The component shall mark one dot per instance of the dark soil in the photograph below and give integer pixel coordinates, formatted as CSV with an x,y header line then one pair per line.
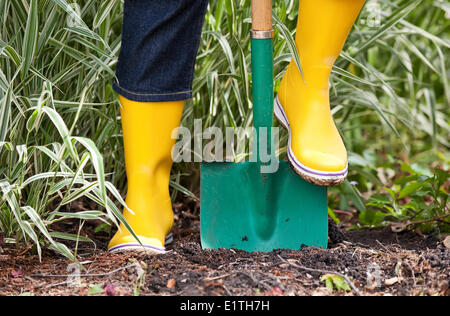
x,y
376,262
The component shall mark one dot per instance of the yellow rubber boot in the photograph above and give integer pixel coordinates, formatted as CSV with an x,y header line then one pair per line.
x,y
316,150
147,130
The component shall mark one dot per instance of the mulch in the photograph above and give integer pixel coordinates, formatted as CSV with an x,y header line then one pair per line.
x,y
375,262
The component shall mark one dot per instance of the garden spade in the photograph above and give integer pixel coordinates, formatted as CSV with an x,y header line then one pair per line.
x,y
246,205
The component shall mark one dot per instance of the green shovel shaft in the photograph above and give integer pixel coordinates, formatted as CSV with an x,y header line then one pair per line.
x,y
262,76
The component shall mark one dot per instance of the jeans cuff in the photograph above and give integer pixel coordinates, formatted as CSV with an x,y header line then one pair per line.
x,y
152,97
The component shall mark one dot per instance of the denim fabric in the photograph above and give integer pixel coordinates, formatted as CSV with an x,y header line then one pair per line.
x,y
160,40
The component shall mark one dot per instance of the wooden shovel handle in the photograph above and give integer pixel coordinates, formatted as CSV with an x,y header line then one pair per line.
x,y
262,15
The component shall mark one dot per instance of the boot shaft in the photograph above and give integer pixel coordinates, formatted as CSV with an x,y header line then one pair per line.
x,y
322,29
148,142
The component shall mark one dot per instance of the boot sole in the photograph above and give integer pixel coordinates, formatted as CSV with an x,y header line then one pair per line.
x,y
322,178
142,248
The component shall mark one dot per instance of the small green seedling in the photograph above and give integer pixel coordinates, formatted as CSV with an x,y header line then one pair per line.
x,y
335,281
96,289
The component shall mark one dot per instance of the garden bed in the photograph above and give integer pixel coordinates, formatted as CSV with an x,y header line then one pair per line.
x,y
375,262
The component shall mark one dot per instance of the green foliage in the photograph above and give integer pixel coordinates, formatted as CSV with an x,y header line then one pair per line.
x,y
415,199
57,136
333,281
96,289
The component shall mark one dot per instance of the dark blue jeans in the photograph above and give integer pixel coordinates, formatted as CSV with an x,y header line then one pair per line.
x,y
160,40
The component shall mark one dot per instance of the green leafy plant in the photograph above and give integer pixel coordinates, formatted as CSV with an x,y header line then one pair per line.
x,y
415,200
96,290
333,281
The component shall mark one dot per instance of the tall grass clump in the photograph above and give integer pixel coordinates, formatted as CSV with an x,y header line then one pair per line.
x,y
60,127
60,131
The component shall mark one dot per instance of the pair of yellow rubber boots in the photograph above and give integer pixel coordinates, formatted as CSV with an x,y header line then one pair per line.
x,y
316,150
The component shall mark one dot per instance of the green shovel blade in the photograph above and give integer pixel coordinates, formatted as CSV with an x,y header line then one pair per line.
x,y
244,209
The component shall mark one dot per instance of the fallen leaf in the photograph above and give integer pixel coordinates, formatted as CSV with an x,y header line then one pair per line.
x,y
321,291
398,268
144,265
17,273
216,283
392,281
447,242
276,291
171,284
372,286
400,226
110,289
